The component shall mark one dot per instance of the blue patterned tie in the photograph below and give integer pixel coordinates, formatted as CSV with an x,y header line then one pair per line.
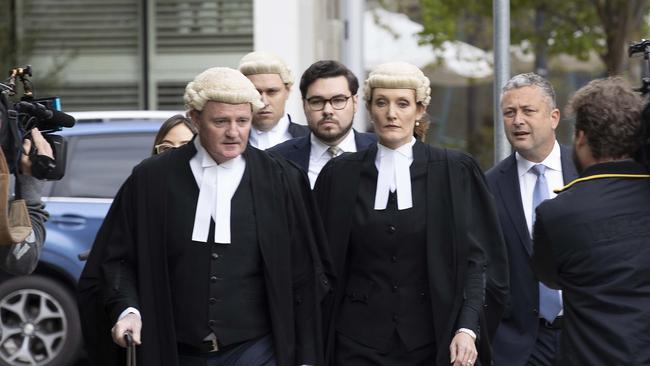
x,y
550,303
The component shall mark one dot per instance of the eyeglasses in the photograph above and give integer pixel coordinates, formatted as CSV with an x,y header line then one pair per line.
x,y
161,148
337,102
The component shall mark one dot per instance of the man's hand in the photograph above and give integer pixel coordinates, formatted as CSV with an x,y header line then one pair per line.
x,y
42,148
130,322
463,350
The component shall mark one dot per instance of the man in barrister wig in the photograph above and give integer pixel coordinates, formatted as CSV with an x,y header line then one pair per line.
x,y
592,241
208,254
273,79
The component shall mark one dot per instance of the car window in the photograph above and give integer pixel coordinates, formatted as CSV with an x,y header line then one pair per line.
x,y
98,165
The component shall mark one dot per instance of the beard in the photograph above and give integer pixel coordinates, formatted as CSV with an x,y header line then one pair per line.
x,y
331,138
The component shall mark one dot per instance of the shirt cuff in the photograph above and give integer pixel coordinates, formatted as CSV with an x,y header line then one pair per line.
x,y
468,332
129,310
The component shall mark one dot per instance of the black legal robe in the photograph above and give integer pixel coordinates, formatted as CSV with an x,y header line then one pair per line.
x,y
130,255
387,287
464,251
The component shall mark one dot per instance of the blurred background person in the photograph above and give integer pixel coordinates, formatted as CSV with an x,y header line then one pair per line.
x,y
529,332
407,224
593,239
273,80
176,131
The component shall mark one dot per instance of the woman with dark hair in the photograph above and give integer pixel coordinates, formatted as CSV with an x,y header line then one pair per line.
x,y
410,228
174,132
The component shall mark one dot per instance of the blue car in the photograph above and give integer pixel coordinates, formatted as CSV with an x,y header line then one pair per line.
x,y
39,320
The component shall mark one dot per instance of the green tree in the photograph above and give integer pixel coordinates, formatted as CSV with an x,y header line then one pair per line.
x,y
544,27
17,51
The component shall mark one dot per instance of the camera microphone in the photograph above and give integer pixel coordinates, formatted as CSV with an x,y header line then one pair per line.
x,y
48,118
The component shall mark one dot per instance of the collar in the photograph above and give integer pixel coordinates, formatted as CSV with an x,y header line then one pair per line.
x,y
217,185
553,161
280,127
626,169
207,161
319,148
405,150
394,174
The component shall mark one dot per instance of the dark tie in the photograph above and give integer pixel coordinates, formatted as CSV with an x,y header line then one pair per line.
x,y
334,151
550,303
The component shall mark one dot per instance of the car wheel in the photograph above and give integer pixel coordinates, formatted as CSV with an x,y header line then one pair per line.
x,y
39,323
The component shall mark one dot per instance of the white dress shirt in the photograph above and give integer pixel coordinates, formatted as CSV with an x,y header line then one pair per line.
x,y
527,179
267,139
394,174
318,155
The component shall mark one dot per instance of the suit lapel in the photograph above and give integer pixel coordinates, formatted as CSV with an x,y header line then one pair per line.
x,y
300,150
511,196
569,172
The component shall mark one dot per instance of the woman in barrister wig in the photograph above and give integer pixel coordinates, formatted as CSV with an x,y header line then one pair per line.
x,y
410,230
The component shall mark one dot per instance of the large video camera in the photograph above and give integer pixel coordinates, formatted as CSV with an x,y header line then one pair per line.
x,y
643,47
19,118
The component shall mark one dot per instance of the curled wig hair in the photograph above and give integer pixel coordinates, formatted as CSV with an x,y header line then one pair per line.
x,y
221,84
266,63
399,75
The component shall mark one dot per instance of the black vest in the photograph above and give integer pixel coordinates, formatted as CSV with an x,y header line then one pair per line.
x,y
216,288
387,286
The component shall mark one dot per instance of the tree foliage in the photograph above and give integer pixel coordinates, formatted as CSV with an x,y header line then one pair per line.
x,y
575,27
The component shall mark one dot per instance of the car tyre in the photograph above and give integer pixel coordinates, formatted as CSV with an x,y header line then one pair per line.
x,y
39,323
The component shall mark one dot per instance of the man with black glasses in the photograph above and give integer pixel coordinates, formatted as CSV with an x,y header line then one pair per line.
x,y
329,93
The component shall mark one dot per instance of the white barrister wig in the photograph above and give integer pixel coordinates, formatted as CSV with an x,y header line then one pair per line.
x,y
221,84
399,75
266,63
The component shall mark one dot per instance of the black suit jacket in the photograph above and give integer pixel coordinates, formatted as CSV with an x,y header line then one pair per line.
x,y
593,242
517,332
297,130
299,149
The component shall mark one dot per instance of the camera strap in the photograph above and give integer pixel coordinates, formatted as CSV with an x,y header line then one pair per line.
x,y
14,218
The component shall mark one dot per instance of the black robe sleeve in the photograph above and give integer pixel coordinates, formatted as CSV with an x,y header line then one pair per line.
x,y
487,259
310,283
127,267
93,290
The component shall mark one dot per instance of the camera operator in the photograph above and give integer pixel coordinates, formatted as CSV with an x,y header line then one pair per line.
x,y
22,258
591,241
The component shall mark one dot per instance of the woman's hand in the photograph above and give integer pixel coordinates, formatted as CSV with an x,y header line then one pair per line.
x,y
463,350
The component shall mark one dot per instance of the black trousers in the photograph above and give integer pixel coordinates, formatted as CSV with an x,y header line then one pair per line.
x,y
546,346
257,352
351,353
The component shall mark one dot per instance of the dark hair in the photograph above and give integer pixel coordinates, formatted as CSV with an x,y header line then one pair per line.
x,y
327,69
168,125
608,111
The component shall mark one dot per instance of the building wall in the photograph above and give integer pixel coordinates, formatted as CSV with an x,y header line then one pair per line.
x,y
300,32
129,54
133,54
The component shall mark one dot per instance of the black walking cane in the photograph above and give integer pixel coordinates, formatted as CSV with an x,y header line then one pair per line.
x,y
130,348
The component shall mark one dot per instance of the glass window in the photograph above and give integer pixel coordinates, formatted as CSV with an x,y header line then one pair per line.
x,y
98,165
